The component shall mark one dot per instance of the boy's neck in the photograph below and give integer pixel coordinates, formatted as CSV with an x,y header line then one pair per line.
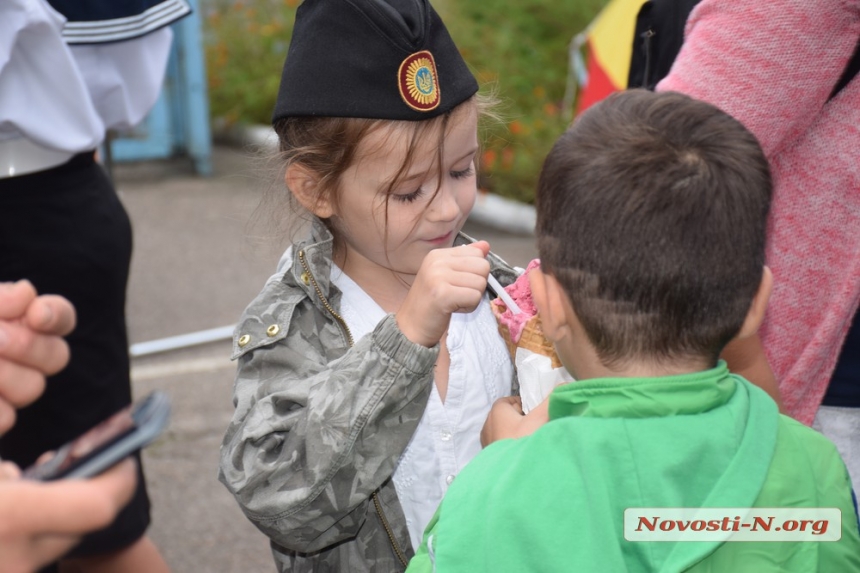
x,y
641,368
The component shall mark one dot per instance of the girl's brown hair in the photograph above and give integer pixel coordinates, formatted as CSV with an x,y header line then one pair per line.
x,y
328,146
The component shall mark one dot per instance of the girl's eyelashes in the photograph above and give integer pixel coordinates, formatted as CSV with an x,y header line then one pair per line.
x,y
467,172
415,195
408,197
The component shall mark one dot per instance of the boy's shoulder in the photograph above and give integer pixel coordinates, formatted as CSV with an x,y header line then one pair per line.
x,y
798,443
505,463
801,435
806,470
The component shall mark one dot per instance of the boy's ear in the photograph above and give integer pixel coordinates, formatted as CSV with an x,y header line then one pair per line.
x,y
303,183
758,307
550,299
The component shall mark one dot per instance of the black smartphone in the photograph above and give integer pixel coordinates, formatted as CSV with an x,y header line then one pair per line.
x,y
108,443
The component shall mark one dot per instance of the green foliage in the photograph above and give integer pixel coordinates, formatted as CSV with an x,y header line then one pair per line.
x,y
517,49
246,44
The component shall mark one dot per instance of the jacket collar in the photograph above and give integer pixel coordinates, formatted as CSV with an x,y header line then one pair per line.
x,y
312,254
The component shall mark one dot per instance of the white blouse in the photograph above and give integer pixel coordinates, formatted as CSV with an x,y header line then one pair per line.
x,y
448,435
63,98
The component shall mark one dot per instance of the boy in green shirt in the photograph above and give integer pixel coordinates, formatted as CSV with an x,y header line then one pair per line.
x,y
652,211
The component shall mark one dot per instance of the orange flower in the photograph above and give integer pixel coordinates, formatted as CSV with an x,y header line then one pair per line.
x,y
516,127
550,109
488,159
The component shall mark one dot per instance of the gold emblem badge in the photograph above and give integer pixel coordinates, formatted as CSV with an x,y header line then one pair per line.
x,y
418,81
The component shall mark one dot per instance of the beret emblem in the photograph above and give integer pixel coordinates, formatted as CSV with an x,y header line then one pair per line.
x,y
418,81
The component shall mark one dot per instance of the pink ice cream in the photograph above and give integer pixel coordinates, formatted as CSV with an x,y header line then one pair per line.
x,y
527,345
521,292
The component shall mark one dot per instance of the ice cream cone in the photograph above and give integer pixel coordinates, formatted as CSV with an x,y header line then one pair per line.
x,y
531,338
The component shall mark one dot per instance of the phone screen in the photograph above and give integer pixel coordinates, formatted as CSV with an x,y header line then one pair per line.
x,y
107,443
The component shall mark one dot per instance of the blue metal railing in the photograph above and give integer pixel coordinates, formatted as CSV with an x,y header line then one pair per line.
x,y
179,122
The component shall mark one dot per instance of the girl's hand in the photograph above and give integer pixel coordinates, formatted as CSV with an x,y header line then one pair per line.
x,y
449,280
506,420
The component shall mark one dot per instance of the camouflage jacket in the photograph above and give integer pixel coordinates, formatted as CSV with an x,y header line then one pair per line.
x,y
321,420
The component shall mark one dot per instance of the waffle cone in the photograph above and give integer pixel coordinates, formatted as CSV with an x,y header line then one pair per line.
x,y
532,338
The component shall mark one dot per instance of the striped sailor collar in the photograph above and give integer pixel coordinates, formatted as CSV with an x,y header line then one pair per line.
x,y
118,20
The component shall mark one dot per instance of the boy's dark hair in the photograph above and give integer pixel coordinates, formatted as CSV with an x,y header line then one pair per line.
x,y
651,213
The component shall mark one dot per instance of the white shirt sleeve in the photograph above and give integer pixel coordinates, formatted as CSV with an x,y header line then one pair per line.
x,y
42,95
124,78
65,98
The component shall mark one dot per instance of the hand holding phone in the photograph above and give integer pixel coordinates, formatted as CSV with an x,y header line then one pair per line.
x,y
42,521
108,443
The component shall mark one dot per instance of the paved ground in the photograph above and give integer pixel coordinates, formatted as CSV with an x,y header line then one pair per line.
x,y
197,262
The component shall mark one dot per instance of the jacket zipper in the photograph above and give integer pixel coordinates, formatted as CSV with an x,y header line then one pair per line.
x,y
323,299
400,556
646,46
375,496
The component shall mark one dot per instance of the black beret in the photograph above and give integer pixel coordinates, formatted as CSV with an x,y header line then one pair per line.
x,y
379,59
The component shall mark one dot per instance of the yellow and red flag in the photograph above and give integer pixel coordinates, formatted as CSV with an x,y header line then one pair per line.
x,y
609,42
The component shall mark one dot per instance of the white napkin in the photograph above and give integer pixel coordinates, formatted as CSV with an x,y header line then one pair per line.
x,y
537,377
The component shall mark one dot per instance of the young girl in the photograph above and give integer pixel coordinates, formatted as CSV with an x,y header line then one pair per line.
x,y
369,362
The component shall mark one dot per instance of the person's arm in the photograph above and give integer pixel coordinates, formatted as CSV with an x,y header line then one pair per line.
x,y
311,440
31,344
39,522
506,420
33,54
770,65
746,357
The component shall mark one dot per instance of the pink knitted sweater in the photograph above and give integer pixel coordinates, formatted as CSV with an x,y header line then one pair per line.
x,y
772,65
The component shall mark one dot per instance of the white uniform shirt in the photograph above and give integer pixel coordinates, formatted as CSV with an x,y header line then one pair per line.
x,y
448,435
63,99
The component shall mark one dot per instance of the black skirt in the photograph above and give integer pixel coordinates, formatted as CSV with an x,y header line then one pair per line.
x,y
65,230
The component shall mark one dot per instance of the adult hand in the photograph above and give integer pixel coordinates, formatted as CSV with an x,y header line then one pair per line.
x,y
39,522
31,344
